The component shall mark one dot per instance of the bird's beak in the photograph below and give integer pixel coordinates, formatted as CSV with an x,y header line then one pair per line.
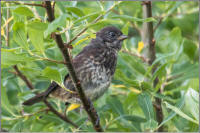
x,y
122,37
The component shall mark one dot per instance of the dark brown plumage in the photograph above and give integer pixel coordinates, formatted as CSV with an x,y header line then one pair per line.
x,y
95,66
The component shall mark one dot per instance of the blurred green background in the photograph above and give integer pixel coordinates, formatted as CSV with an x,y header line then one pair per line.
x,y
127,105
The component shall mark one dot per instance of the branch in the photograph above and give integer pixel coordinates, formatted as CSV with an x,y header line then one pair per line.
x,y
147,33
85,101
148,39
29,4
29,84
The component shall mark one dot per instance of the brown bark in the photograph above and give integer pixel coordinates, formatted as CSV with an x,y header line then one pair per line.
x,y
150,54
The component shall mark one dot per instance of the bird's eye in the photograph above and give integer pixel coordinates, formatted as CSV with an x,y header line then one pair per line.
x,y
111,34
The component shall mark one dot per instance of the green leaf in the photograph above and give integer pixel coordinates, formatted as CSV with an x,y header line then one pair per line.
x,y
171,115
76,11
121,76
189,48
161,57
11,49
102,23
175,36
17,127
5,104
19,35
89,16
134,118
179,112
160,71
12,58
134,64
24,11
61,5
172,41
36,34
192,102
194,83
37,25
52,74
173,8
146,85
36,38
162,96
115,105
150,124
184,71
146,105
125,28
58,22
134,19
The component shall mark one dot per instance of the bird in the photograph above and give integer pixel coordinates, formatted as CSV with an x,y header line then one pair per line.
x,y
94,66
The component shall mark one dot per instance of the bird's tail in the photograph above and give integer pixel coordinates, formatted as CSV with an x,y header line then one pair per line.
x,y
40,97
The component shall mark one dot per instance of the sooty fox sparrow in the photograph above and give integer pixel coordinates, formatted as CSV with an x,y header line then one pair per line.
x,y
94,65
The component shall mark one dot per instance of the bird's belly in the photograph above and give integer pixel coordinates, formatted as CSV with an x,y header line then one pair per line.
x,y
98,91
97,84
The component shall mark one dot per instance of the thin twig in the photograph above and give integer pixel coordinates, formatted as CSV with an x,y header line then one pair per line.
x,y
23,77
15,73
85,101
132,54
29,115
50,60
158,24
47,59
150,53
63,117
29,4
29,84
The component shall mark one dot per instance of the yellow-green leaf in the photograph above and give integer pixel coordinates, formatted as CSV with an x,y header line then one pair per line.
x,y
72,107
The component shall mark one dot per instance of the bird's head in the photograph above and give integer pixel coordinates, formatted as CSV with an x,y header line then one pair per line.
x,y
112,37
